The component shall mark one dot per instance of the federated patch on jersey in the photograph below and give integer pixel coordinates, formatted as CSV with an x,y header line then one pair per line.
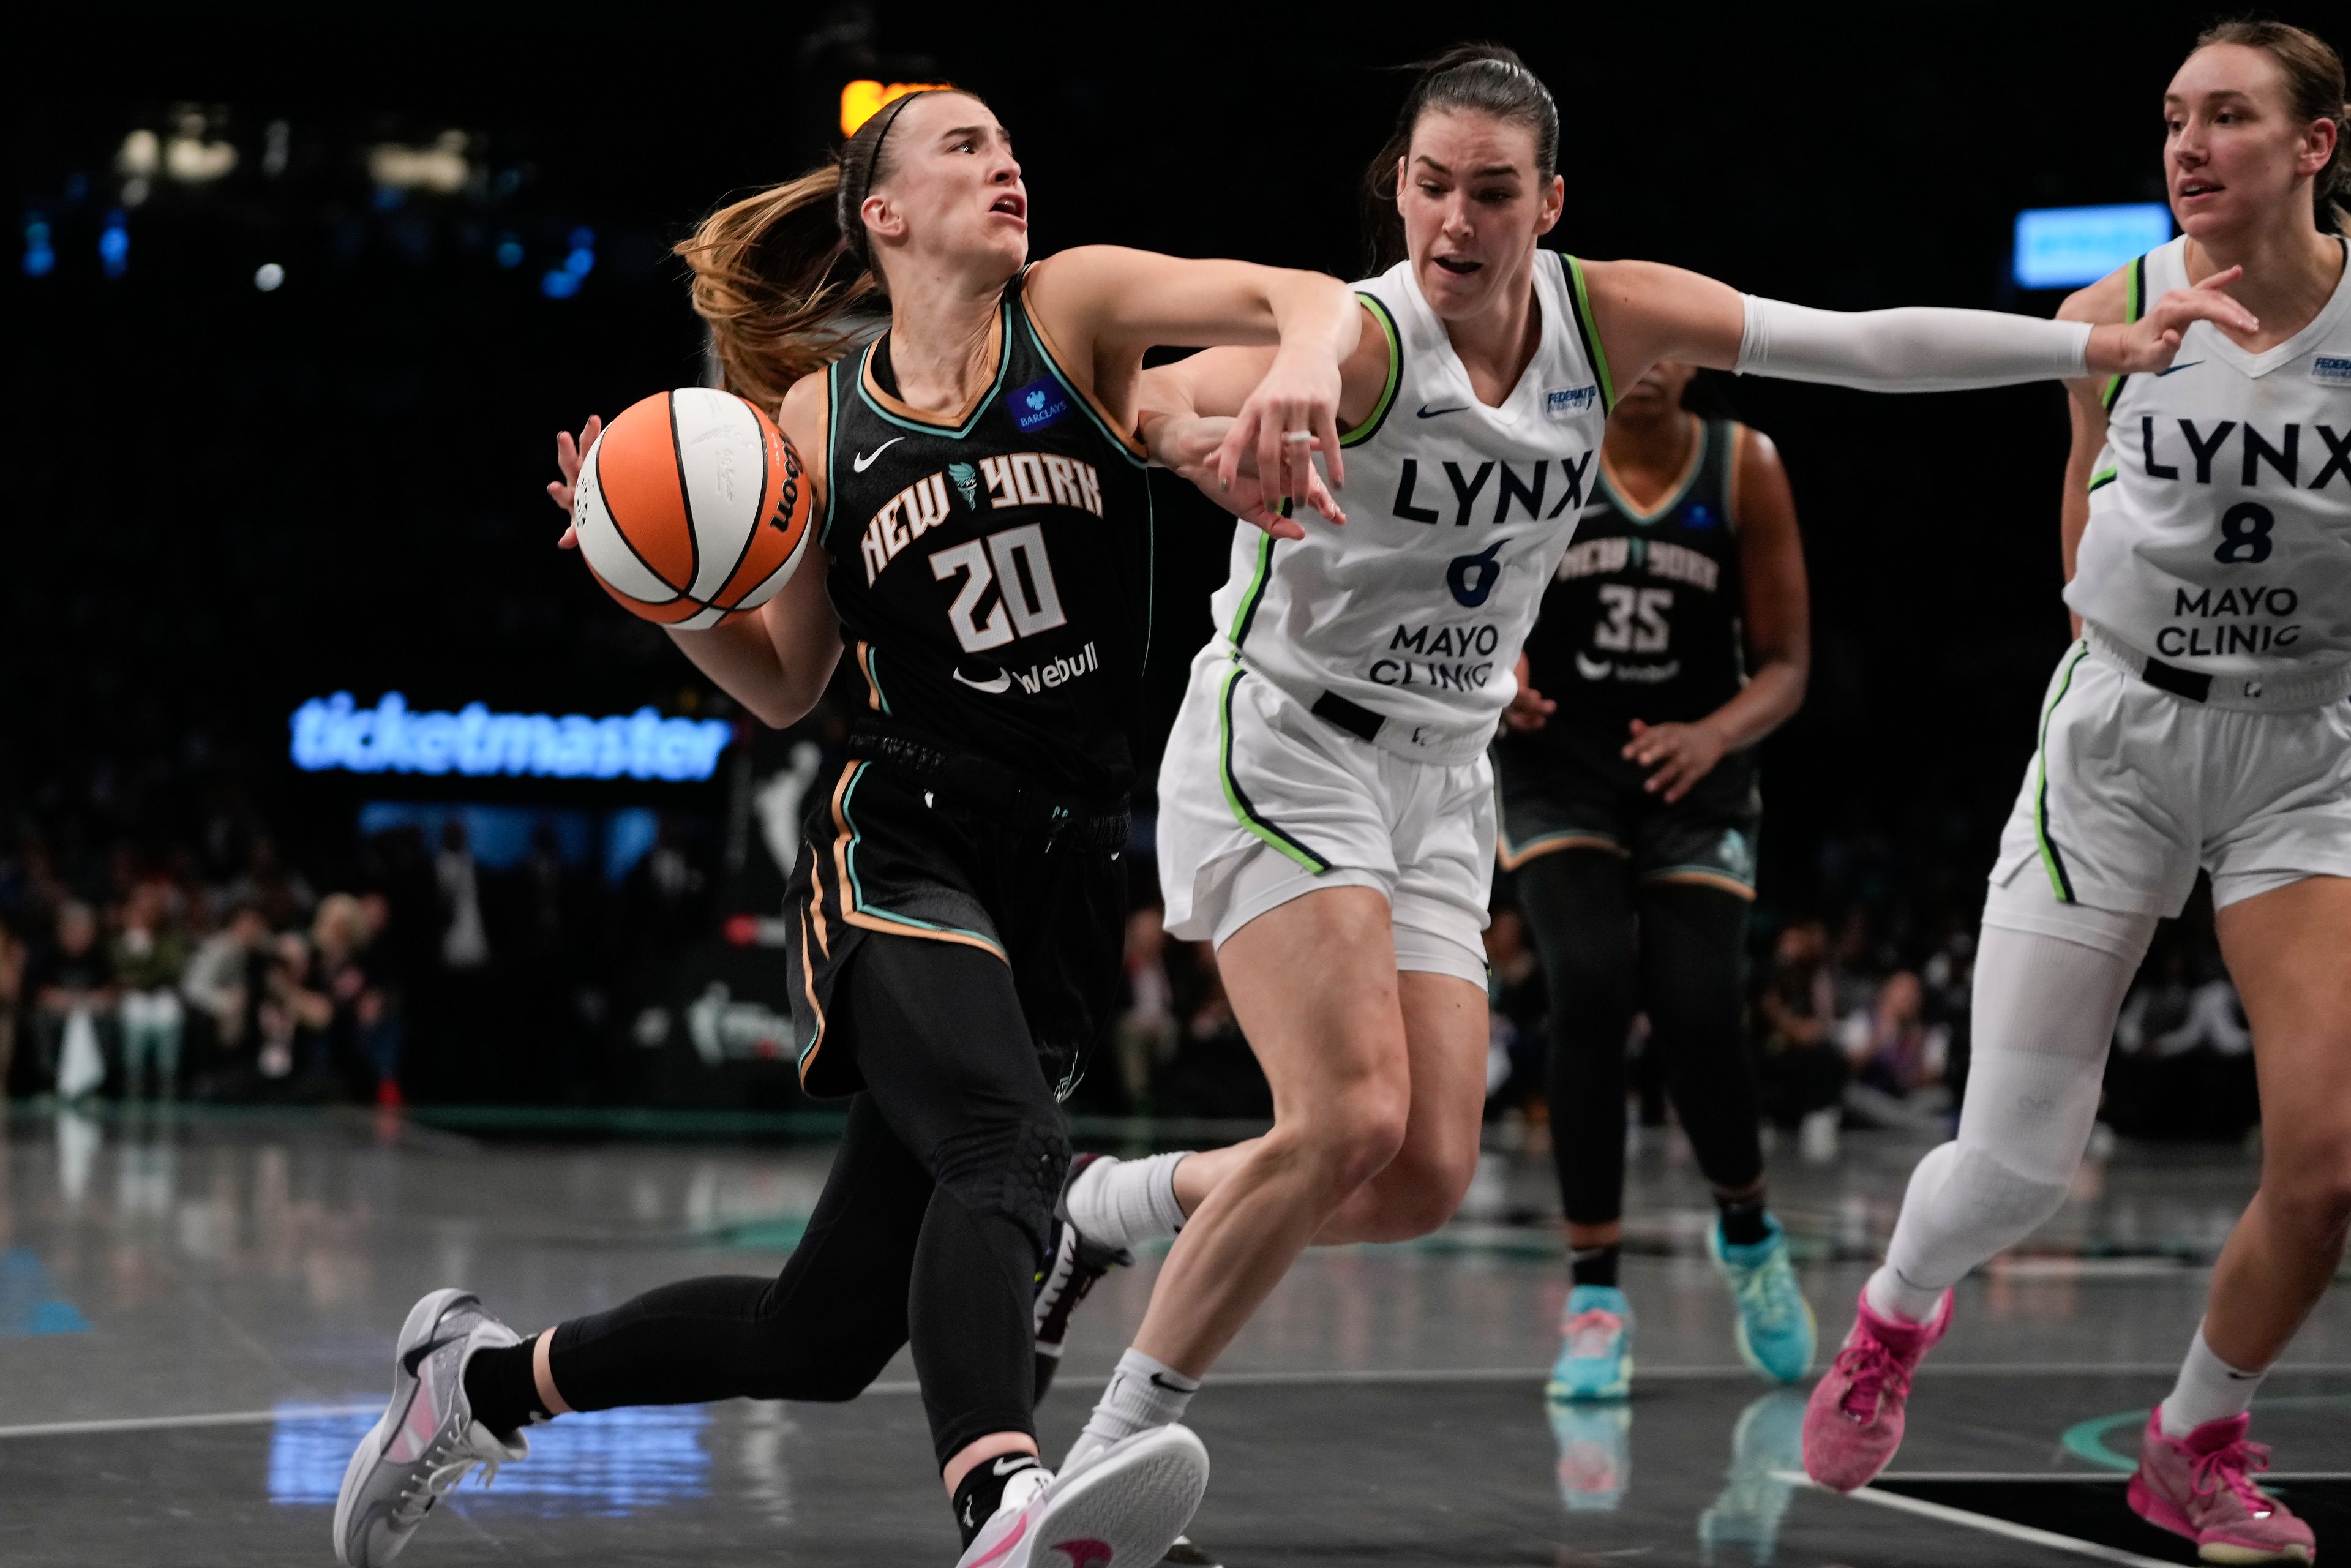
x,y
1560,403
1039,404
2331,370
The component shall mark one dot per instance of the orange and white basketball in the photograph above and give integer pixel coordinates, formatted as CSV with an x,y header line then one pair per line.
x,y
691,508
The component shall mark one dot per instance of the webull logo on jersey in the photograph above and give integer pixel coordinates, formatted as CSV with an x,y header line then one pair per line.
x,y
1013,479
1510,490
1035,678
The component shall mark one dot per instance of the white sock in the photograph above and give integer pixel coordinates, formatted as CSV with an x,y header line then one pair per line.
x,y
1144,1392
2209,1389
1892,1296
1117,1203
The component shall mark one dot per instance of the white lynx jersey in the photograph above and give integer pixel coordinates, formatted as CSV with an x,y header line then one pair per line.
x,y
2220,533
1404,626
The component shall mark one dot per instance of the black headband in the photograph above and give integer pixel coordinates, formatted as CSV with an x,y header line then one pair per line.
x,y
858,184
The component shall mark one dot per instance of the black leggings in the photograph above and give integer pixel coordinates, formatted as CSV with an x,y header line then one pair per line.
x,y
1682,961
932,1225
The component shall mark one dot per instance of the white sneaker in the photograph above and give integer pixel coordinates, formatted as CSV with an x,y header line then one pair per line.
x,y
427,1438
1117,1507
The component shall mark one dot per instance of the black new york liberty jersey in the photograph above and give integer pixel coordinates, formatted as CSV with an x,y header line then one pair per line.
x,y
1643,618
992,573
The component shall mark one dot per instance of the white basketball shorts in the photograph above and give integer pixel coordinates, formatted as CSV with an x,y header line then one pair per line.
x,y
2132,789
1260,802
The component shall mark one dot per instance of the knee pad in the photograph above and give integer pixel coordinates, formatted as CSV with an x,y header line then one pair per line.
x,y
1010,1169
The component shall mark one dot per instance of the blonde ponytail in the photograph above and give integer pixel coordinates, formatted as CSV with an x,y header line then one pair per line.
x,y
773,281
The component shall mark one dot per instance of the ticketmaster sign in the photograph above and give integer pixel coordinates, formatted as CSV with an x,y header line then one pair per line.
x,y
333,733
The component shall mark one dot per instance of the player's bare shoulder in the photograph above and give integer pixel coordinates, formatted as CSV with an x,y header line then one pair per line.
x,y
803,416
2103,303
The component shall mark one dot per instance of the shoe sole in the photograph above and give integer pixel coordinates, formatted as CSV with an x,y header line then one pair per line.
x,y
2163,1515
414,1331
1127,1511
1559,1393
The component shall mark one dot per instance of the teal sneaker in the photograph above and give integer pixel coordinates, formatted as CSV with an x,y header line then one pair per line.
x,y
1596,1455
1595,1356
1775,1327
1744,1519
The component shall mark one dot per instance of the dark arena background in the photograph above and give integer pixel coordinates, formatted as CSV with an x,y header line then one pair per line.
x,y
294,304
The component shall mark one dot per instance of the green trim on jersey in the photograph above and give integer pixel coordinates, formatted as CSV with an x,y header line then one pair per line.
x,y
952,432
2052,861
1243,812
831,427
2137,309
857,889
1579,298
1077,397
1379,414
1247,613
2102,478
873,676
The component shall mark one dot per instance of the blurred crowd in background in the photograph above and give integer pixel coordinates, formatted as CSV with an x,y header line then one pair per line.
x,y
147,952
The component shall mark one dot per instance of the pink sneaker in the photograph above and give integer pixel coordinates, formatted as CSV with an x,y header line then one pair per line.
x,y
1853,1422
2200,1486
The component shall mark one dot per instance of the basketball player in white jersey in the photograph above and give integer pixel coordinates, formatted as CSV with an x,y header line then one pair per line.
x,y
2199,722
1326,808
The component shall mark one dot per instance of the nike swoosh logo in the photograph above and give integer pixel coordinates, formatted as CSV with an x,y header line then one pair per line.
x,y
864,460
1159,1381
1428,412
1003,683
1014,1464
415,1358
1593,669
2169,369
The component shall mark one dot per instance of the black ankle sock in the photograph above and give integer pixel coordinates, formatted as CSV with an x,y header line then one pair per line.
x,y
982,1489
1594,1265
1745,1220
502,1385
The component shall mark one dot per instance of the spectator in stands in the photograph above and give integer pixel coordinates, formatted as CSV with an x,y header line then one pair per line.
x,y
279,891
71,983
1801,1071
223,981
151,957
12,997
1891,1048
1144,1038
465,938
2183,1065
292,1019
361,1046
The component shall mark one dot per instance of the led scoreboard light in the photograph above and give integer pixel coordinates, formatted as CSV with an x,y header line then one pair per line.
x,y
2067,248
862,100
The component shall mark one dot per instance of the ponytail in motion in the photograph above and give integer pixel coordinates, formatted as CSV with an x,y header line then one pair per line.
x,y
780,275
2313,89
1477,79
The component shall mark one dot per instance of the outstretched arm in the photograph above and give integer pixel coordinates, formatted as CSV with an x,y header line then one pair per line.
x,y
1106,305
1647,312
2105,300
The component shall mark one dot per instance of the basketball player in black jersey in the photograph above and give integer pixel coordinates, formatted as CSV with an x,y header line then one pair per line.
x,y
1672,638
958,908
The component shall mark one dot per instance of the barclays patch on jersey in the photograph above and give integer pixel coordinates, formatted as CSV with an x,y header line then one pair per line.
x,y
1562,401
2332,369
1039,404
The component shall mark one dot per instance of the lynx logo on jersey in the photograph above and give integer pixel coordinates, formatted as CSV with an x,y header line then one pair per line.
x,y
1013,479
1510,490
2282,455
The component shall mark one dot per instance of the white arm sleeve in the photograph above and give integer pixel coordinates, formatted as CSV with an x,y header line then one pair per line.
x,y
1919,348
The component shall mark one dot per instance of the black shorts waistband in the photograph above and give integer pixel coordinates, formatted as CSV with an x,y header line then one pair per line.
x,y
990,789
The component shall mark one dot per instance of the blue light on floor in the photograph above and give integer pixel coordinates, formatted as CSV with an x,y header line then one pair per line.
x,y
31,1302
605,1464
